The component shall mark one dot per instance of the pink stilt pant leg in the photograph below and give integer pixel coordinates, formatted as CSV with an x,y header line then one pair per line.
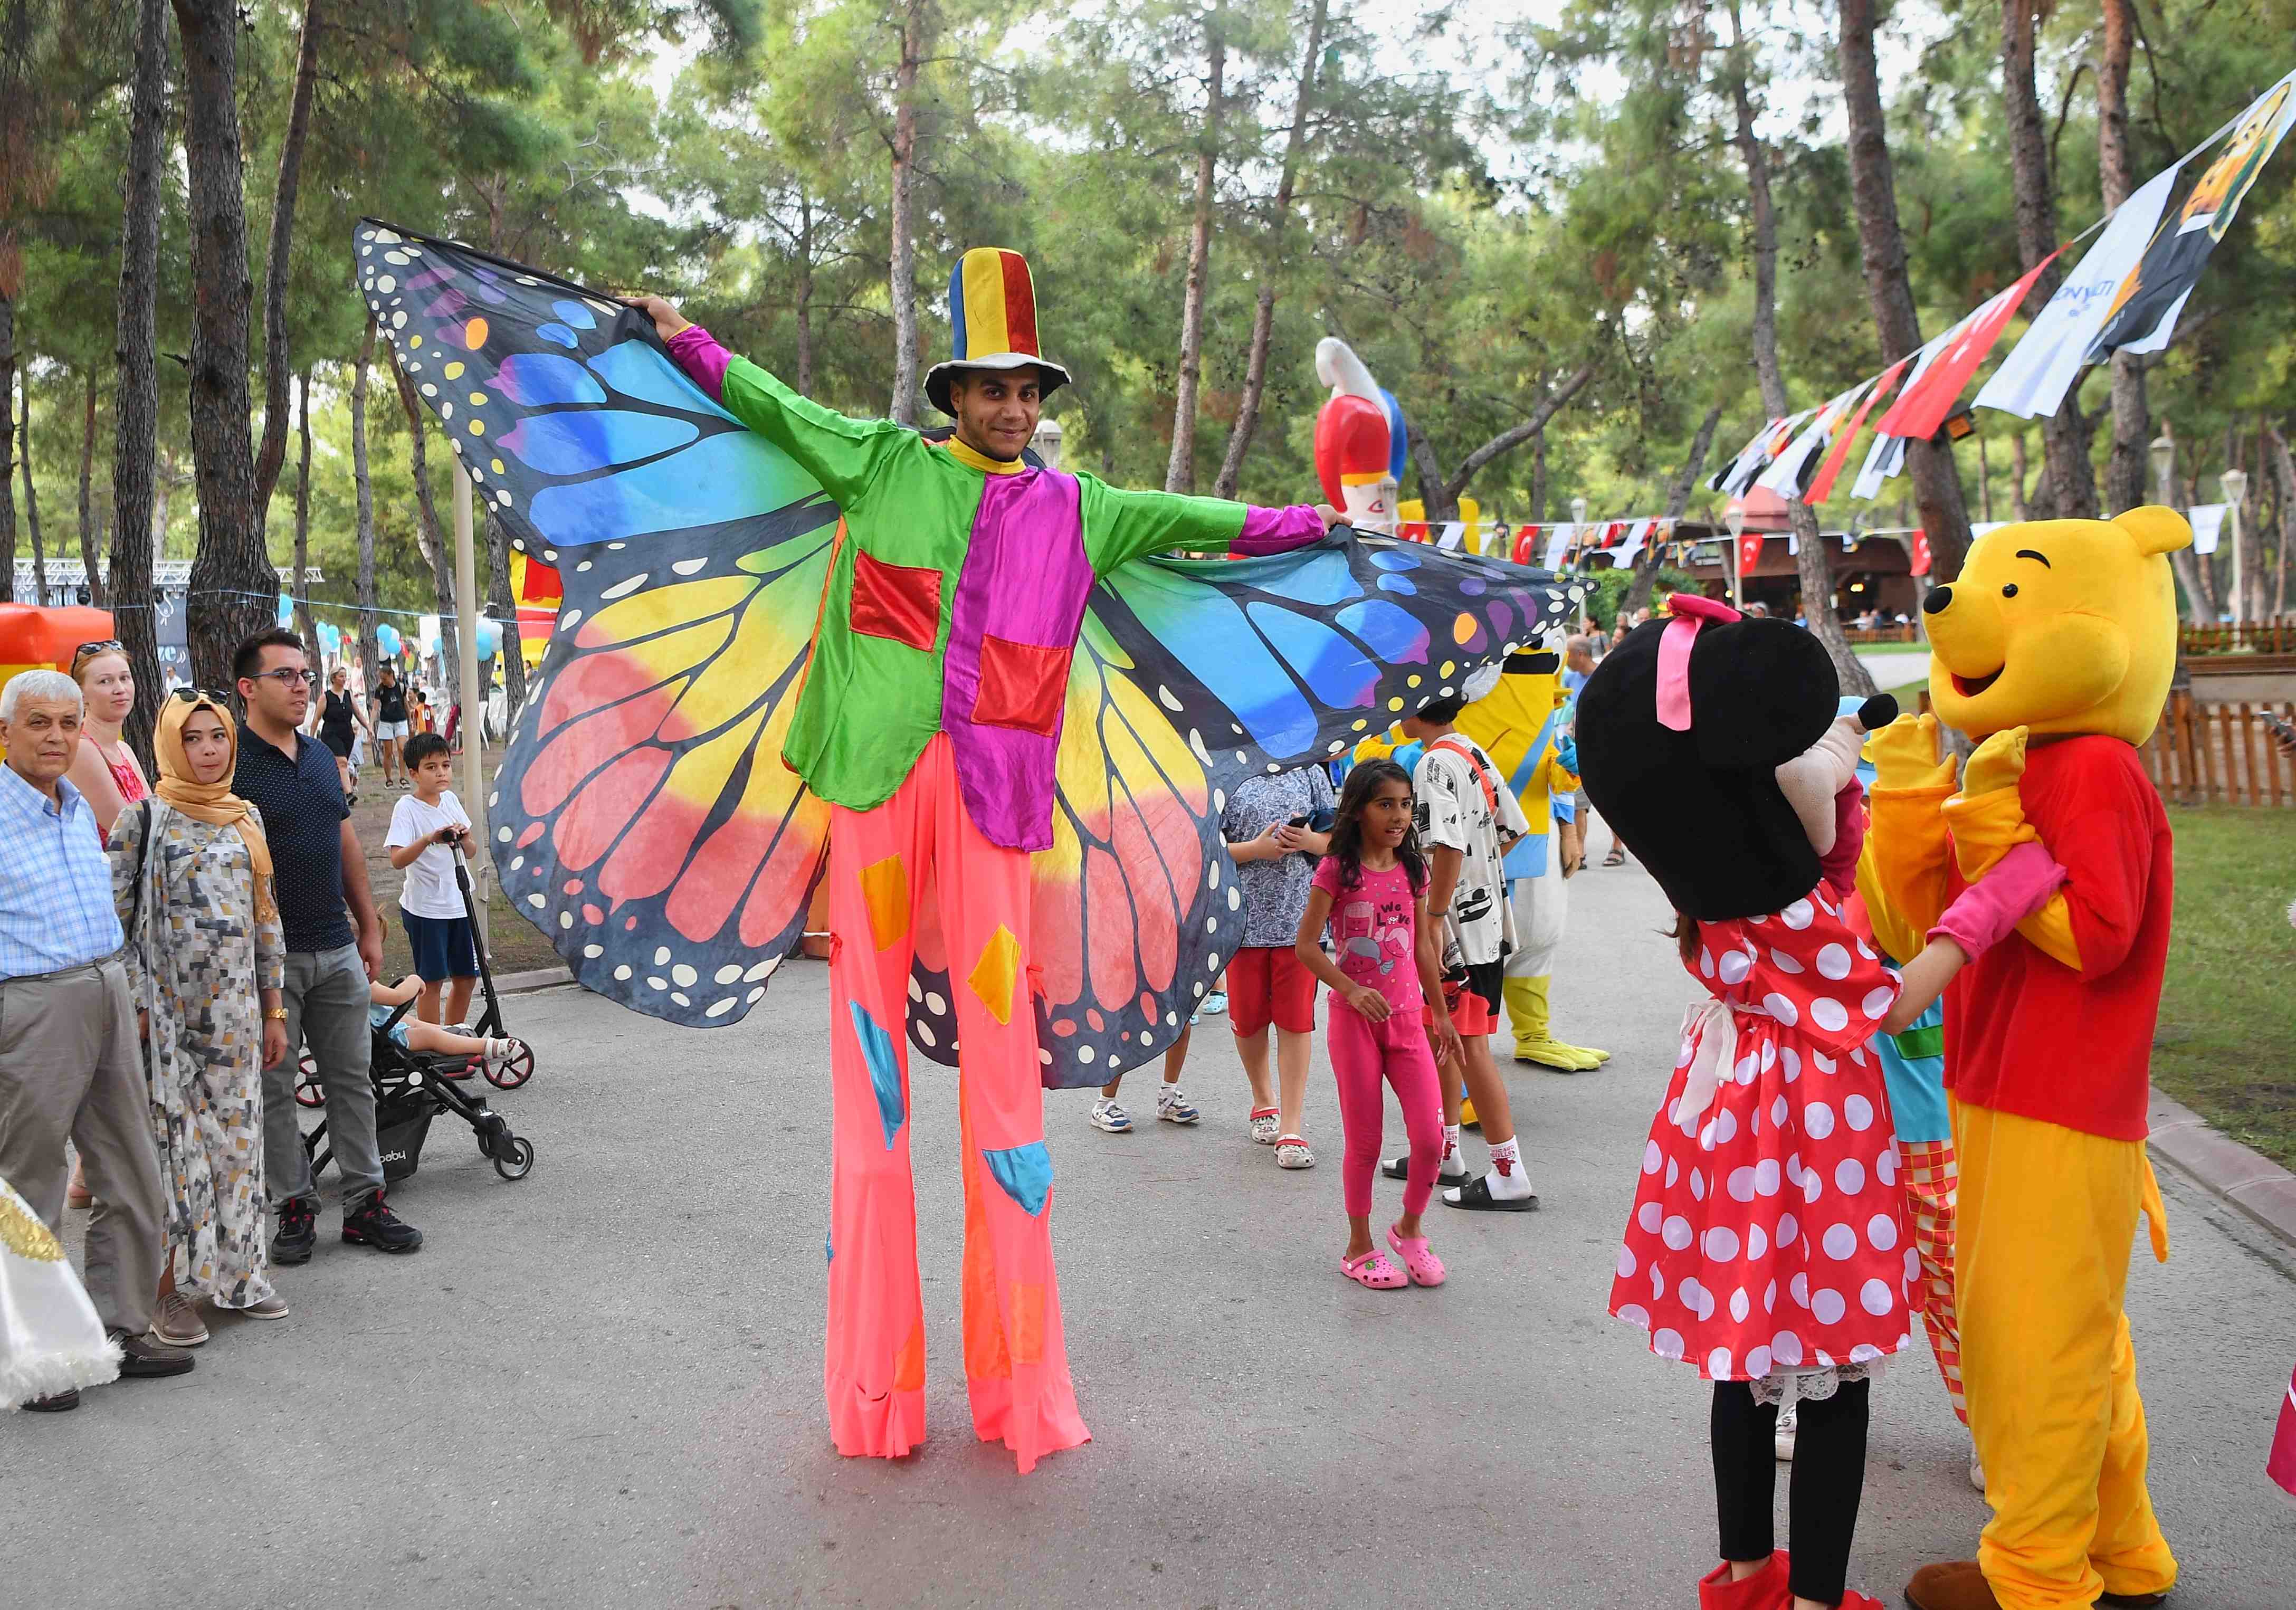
x,y
1364,1053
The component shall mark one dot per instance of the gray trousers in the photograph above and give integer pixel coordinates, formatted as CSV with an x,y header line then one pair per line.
x,y
71,1063
326,1001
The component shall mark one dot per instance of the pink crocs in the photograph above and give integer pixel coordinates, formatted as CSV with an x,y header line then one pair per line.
x,y
1373,1271
1426,1268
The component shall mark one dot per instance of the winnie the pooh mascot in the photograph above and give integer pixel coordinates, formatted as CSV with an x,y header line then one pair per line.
x,y
2053,648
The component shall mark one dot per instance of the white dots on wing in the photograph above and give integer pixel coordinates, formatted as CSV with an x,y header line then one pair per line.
x,y
502,835
581,566
386,237
916,989
756,995
762,969
658,983
622,974
1196,742
591,953
623,588
685,976
565,919
925,1033
719,1008
681,997
727,974
687,567
662,955
535,900
1164,697
1234,897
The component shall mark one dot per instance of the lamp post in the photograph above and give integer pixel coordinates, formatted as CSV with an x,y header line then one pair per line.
x,y
1736,519
2234,483
1047,442
2164,465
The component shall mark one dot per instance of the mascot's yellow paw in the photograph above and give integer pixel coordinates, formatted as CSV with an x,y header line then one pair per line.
x,y
1998,763
1904,755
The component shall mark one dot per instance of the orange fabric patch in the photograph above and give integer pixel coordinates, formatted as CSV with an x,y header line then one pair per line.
x,y
994,976
909,1368
1022,685
898,600
985,1358
1028,1323
885,890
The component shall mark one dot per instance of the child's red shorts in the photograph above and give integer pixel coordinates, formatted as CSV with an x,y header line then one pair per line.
x,y
1267,983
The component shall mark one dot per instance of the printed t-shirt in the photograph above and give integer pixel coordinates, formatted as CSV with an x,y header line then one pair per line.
x,y
1454,813
1275,892
1373,936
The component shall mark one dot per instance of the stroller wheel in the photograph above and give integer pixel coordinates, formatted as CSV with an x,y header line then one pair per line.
x,y
309,1091
514,1071
513,1157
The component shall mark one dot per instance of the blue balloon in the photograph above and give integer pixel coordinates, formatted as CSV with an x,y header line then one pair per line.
x,y
387,639
489,638
1398,440
330,640
286,610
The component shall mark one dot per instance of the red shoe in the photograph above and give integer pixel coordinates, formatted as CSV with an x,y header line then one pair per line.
x,y
1766,1589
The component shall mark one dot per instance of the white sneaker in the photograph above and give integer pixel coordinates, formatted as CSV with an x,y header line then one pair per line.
x,y
1173,1106
1789,1423
1976,1472
1109,1116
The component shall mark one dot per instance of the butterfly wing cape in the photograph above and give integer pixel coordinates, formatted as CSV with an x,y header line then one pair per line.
x,y
642,817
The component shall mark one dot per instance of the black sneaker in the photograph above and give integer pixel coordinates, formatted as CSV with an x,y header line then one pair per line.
x,y
144,1357
299,1232
372,1224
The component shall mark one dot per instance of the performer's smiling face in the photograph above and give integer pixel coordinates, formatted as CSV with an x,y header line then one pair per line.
x,y
997,410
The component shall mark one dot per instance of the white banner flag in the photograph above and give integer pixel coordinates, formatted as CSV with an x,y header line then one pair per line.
x,y
2208,524
1455,533
1636,535
2034,378
1558,543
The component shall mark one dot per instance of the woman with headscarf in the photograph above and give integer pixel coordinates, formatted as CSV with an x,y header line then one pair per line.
x,y
190,873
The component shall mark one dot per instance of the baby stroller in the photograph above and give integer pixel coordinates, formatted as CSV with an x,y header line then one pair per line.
x,y
410,1089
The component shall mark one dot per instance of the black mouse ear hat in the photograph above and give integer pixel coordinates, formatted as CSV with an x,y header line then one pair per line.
x,y
1681,730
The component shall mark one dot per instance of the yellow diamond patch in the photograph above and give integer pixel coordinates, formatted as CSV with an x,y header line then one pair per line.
x,y
885,890
997,972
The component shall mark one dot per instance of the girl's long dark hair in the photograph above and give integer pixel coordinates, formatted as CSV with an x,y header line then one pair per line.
x,y
1346,824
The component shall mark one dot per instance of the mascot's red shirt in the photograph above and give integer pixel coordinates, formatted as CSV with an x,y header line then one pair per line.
x,y
2025,1034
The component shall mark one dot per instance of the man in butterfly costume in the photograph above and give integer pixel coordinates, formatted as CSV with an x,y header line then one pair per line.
x,y
795,645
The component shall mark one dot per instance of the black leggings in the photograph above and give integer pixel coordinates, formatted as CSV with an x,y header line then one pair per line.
x,y
1829,1473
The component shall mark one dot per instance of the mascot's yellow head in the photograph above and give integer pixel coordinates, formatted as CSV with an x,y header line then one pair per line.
x,y
2059,626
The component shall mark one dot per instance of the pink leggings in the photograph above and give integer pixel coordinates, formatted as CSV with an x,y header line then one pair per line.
x,y
1363,1053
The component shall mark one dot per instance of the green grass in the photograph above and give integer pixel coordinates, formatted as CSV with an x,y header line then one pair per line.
x,y
2226,1043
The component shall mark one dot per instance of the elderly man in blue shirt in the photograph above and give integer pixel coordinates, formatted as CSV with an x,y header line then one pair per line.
x,y
70,1060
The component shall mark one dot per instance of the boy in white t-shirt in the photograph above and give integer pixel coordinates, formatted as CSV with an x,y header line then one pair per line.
x,y
427,826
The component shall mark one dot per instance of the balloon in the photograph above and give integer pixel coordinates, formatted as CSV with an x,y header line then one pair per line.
x,y
1337,368
330,640
286,612
429,627
489,638
388,640
1351,440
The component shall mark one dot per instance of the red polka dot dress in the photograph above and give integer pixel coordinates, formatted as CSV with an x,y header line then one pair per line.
x,y
1769,1234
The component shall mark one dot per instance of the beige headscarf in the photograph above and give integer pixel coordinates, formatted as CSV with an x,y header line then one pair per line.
x,y
210,802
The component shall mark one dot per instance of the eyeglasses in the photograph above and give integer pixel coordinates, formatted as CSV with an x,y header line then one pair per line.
x,y
286,676
104,646
203,695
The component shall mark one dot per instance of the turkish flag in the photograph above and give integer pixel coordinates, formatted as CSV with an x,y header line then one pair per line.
x,y
1749,552
1928,399
1921,551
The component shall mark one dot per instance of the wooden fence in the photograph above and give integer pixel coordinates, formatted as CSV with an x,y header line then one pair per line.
x,y
2214,754
2274,637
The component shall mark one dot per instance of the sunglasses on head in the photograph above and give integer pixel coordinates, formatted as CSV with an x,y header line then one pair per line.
x,y
203,695
104,646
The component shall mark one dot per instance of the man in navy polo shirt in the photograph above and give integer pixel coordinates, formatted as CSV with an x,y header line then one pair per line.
x,y
318,871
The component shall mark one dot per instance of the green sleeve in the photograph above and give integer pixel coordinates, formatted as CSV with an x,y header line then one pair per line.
x,y
842,454
1119,527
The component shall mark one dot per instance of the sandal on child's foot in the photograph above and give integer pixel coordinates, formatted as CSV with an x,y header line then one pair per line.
x,y
1292,1153
1399,1168
1265,1123
1476,1197
1373,1271
1419,1259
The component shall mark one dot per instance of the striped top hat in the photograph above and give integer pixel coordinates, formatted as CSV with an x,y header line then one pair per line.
x,y
992,309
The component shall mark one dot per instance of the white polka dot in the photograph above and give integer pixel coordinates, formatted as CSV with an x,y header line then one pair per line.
x,y
1785,1348
1858,1113
1626,1264
1882,1230
1740,1305
1791,1060
1866,951
1833,962
1875,1297
1756,1244
1705,961
1778,1110
1766,1176
1673,1172
1648,1217
1697,1186
1721,1244
1652,1158
1726,1127
1827,1306
1825,1064
1829,1013
1666,1343
1841,1242
1823,1358
1878,1001
1913,1264
1850,1177
1734,966
1758,1363
1865,1353
1770,1297
1817,1120
1717,1364
1885,1166
1812,1186
1778,1007
1742,1183
1747,1068
1784,963
1789,1227
1635,1313
1657,1282
1676,1232
1797,915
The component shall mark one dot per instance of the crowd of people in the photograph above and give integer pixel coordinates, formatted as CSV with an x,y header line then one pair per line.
x,y
169,945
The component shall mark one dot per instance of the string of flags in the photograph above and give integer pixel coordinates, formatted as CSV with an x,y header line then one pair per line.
x,y
2124,295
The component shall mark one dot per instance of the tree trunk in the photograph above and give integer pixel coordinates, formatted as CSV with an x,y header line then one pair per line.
x,y
88,532
504,607
304,623
1937,485
1984,483
1678,501
370,650
904,266
275,354
1441,494
32,503
135,390
1539,479
804,304
2132,427
7,445
234,590
428,535
1811,566
2284,468
1263,317
2019,507
1180,473
2064,434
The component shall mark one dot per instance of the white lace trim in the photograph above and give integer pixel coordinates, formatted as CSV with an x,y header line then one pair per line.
x,y
1787,1387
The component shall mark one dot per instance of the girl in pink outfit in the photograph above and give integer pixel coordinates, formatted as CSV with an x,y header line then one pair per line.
x,y
1370,891
2280,1464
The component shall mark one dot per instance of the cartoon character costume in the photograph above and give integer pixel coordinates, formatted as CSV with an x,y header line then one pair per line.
x,y
2053,647
51,1341
793,640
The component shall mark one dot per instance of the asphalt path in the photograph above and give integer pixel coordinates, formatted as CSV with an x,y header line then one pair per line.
x,y
602,1386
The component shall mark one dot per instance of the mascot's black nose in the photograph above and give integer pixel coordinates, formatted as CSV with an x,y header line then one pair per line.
x,y
1939,600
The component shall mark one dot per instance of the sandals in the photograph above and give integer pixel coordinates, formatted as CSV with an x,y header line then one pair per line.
x,y
1476,1197
1265,1124
1616,858
1419,1259
1292,1153
1373,1272
1399,1168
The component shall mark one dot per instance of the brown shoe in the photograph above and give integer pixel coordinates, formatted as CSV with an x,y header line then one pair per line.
x,y
54,1403
1956,1585
147,1356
